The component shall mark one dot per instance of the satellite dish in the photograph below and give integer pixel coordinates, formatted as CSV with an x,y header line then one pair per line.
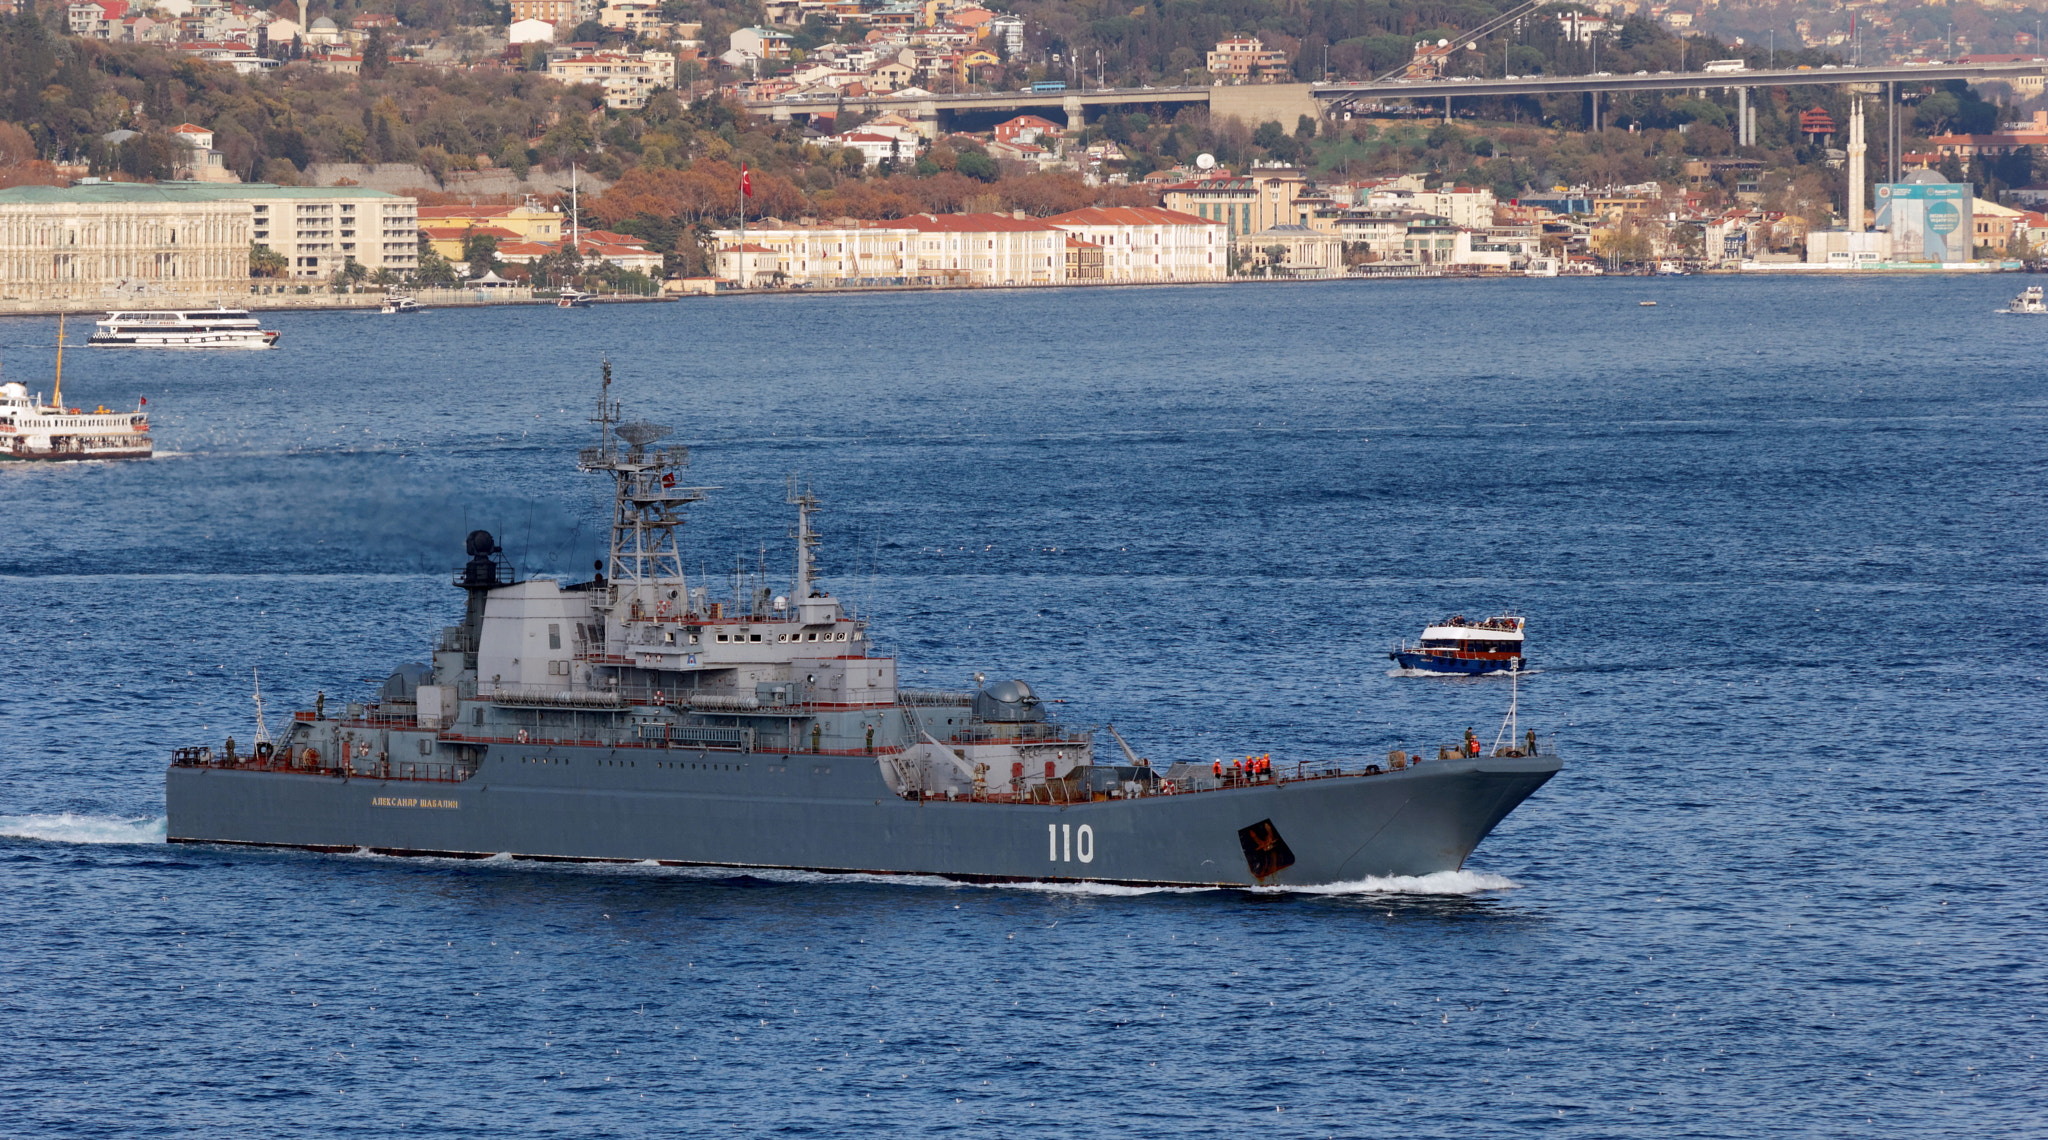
x,y
1205,161
1473,46
781,603
1443,43
640,433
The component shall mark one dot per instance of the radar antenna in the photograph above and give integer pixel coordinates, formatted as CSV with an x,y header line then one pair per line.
x,y
647,506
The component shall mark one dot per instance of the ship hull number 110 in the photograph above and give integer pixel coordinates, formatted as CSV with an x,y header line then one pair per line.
x,y
1065,843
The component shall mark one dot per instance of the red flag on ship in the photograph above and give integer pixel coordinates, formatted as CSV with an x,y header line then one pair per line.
x,y
145,401
746,181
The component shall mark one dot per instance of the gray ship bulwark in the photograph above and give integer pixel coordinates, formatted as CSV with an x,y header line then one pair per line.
x,y
634,717
838,814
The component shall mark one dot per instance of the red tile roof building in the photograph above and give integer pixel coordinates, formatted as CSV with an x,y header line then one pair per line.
x,y
1152,243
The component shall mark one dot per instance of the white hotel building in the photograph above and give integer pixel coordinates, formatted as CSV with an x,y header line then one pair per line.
x,y
1139,244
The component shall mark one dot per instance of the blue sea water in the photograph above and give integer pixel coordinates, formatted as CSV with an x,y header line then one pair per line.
x,y
1780,544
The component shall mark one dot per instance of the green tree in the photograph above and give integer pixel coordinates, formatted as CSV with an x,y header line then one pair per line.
x,y
265,261
376,55
481,252
978,165
434,270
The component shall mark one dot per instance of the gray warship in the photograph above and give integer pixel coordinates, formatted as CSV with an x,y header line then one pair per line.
x,y
634,718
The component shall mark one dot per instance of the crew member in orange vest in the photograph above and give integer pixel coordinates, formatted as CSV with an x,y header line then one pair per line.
x,y
1219,769
1471,743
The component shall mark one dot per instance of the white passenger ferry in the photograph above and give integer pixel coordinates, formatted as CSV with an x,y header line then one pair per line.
x,y
183,328
33,430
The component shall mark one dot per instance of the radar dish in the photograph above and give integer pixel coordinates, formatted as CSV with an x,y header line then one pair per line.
x,y
640,433
1205,161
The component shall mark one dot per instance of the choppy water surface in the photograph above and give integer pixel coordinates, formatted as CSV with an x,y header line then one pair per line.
x,y
1780,544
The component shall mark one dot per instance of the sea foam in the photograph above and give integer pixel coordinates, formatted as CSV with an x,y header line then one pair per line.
x,y
1435,883
65,827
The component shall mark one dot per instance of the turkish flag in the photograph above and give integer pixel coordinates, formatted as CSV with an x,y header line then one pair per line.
x,y
145,401
746,181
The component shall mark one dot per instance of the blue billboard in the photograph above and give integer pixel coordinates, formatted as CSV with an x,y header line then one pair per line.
x,y
1928,221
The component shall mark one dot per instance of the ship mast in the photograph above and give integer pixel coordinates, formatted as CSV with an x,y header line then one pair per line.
x,y
1510,725
646,565
57,397
806,539
262,730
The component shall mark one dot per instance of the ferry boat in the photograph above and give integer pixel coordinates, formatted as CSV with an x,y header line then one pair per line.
x,y
2029,301
1461,645
183,328
33,430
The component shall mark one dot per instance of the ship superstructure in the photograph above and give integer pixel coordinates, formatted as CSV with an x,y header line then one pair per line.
x,y
633,716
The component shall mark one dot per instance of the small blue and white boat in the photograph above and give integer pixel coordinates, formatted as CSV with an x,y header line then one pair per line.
x,y
1463,646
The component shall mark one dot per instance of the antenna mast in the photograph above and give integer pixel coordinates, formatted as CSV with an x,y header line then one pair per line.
x,y
806,541
647,503
262,731
1509,725
57,397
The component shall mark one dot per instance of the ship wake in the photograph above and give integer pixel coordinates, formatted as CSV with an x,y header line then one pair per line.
x,y
1459,883
66,827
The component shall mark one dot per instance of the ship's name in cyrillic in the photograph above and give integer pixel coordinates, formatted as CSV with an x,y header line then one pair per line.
x,y
408,802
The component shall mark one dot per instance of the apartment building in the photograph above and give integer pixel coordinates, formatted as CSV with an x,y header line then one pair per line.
x,y
1258,200
636,16
1246,59
628,78
557,12
319,229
